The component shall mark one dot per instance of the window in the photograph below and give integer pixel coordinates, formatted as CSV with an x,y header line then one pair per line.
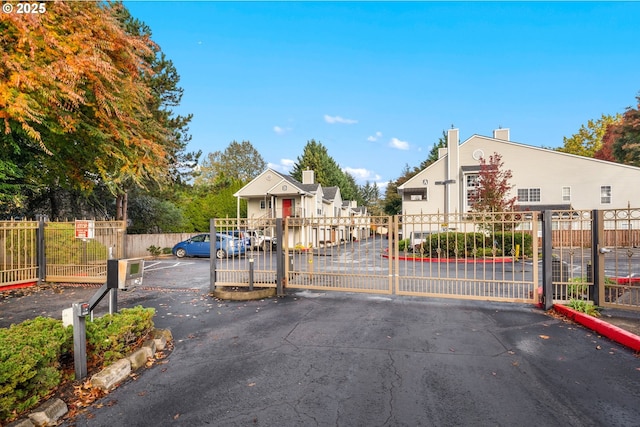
x,y
264,204
415,195
566,194
471,183
528,194
605,194
534,194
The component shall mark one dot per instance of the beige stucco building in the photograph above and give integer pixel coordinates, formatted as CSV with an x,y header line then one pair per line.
x,y
542,178
275,195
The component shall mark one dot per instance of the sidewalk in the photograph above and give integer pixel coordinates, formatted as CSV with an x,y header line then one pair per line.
x,y
624,319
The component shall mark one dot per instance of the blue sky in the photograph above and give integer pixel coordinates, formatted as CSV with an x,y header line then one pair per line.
x,y
378,82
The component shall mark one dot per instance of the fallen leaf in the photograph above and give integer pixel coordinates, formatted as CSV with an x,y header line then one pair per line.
x,y
544,337
598,347
176,416
251,384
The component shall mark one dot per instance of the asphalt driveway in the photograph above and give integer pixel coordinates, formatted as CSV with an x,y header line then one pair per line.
x,y
360,360
344,359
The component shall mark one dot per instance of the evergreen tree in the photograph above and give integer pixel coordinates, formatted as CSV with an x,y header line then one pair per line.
x,y
326,170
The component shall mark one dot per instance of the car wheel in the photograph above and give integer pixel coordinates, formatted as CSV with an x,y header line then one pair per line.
x,y
220,253
181,253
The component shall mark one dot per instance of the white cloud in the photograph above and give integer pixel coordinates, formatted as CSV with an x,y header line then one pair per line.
x,y
287,162
400,145
280,130
362,174
338,119
375,137
284,166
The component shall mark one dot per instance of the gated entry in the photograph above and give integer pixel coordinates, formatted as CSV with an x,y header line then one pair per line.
x,y
493,257
32,251
488,256
18,252
597,257
73,257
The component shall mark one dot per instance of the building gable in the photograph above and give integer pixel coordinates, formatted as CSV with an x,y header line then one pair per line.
x,y
541,177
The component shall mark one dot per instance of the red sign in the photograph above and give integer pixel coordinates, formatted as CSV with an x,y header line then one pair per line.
x,y
85,229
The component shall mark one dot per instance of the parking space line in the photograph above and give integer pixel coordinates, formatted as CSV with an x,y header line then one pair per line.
x,y
174,265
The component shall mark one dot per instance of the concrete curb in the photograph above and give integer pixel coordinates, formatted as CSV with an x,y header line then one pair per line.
x,y
244,295
610,331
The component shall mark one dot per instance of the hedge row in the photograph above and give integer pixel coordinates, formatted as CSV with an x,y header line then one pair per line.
x,y
471,245
30,353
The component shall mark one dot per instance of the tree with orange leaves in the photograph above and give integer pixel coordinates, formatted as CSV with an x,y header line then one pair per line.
x,y
76,104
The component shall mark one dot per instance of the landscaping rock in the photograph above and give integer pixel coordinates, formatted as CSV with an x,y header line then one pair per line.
x,y
112,375
139,358
25,422
161,337
48,413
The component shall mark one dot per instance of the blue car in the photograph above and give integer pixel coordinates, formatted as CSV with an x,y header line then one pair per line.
x,y
200,245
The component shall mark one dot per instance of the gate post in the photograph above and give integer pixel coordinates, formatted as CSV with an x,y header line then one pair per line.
x,y
547,257
41,259
596,291
212,255
280,254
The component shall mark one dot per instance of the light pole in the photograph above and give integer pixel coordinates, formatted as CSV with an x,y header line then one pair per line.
x,y
446,182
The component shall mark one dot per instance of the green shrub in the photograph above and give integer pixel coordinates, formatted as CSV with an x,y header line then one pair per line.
x,y
30,353
507,242
154,250
114,336
166,251
453,245
583,306
29,362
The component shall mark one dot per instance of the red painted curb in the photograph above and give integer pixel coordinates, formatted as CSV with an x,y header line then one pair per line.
x,y
610,331
17,286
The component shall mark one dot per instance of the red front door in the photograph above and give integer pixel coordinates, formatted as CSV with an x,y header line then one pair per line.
x,y
287,205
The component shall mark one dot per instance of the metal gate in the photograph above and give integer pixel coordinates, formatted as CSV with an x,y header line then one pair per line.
x,y
503,256
481,256
81,259
18,252
596,256
493,257
339,254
